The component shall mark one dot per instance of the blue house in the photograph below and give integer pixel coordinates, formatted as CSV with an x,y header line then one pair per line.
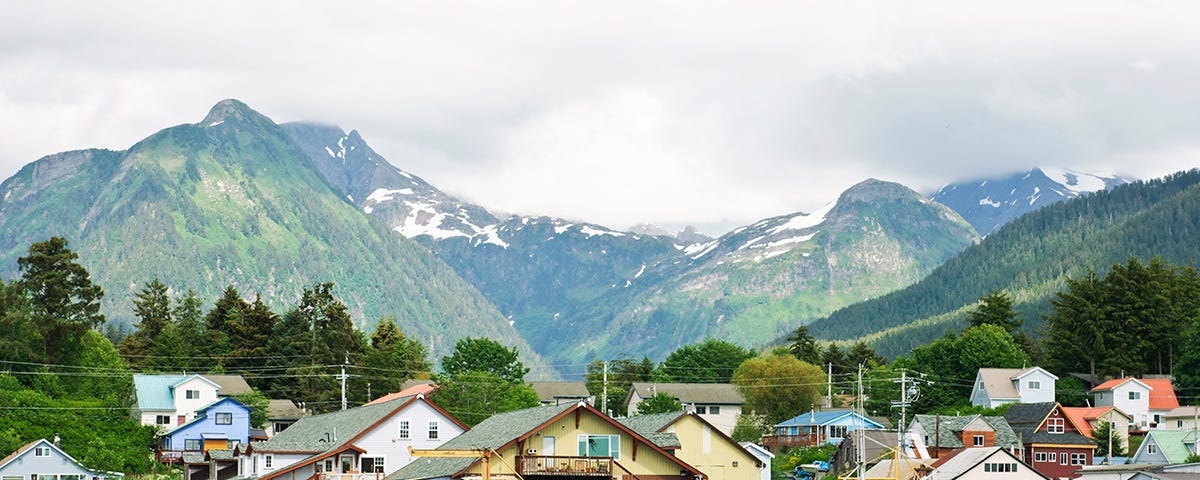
x,y
44,460
219,425
818,428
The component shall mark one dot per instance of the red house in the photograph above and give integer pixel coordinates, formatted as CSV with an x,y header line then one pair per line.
x,y
1051,441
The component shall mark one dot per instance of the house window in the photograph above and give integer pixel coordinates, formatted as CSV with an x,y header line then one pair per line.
x,y
1053,457
981,385
403,431
1062,459
1055,425
191,445
41,452
1035,385
1039,457
714,410
224,418
600,446
1000,467
433,429
162,419
268,461
192,394
328,465
1135,395
373,465
1152,449
701,409
280,426
1179,424
1078,458
978,441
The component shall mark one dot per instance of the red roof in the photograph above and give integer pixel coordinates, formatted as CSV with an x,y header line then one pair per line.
x,y
1162,397
1079,416
422,388
1162,394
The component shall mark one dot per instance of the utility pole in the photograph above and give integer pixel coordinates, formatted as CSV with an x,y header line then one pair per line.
x,y
343,375
829,387
861,451
604,391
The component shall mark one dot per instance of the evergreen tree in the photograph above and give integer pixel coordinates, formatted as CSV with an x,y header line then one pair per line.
x,y
393,357
215,342
996,308
833,356
863,355
484,355
153,309
63,301
1077,337
19,339
249,337
803,346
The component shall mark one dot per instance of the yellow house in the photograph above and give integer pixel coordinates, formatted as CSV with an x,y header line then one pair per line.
x,y
558,442
700,444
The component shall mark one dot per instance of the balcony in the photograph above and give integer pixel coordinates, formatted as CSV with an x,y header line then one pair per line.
x,y
169,456
567,466
776,442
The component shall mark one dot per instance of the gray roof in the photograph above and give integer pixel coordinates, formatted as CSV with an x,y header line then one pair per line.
x,y
493,433
1185,411
230,384
964,461
702,393
650,426
946,429
1025,418
285,410
220,454
193,458
549,391
319,433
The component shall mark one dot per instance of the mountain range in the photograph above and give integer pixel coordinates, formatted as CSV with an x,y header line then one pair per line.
x,y
270,209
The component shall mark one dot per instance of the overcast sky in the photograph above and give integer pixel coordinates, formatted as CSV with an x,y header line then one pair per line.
x,y
706,113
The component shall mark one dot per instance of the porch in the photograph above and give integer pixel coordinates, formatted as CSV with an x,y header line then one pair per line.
x,y
570,466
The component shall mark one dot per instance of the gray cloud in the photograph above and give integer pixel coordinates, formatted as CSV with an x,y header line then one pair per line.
x,y
621,113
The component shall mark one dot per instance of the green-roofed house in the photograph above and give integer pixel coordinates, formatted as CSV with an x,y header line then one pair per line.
x,y
556,442
692,439
1165,446
360,443
170,400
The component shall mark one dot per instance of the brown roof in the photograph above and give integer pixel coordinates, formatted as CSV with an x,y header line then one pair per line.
x,y
549,391
285,410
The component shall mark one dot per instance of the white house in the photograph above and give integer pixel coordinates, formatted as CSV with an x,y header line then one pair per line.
x,y
1146,400
998,386
989,462
171,400
369,439
719,403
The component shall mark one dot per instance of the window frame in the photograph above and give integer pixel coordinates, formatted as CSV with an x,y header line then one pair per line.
x,y
378,464
432,432
1135,395
614,445
191,394
403,429
268,461
41,451
977,440
161,420
1035,385
1056,425
227,416
199,444
1039,457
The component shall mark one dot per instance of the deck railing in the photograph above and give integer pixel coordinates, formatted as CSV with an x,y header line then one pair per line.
x,y
566,466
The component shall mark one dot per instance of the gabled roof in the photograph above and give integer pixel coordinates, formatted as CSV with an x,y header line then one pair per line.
x,y
1081,417
1162,394
424,388
998,382
320,433
1116,382
1171,443
201,415
690,393
39,442
1026,420
285,410
154,391
653,427
504,429
1183,412
946,429
825,417
549,391
960,463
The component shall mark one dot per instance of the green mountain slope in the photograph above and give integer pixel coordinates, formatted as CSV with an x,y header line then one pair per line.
x,y
233,201
1030,258
757,282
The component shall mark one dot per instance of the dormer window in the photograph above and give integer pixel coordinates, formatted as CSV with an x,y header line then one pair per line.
x,y
978,441
1135,395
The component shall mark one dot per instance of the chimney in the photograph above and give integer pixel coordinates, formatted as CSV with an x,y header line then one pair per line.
x,y
56,440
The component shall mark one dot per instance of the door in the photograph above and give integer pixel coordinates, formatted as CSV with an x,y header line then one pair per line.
x,y
347,463
547,446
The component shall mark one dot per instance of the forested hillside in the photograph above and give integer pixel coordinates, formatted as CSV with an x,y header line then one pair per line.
x,y
1031,258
